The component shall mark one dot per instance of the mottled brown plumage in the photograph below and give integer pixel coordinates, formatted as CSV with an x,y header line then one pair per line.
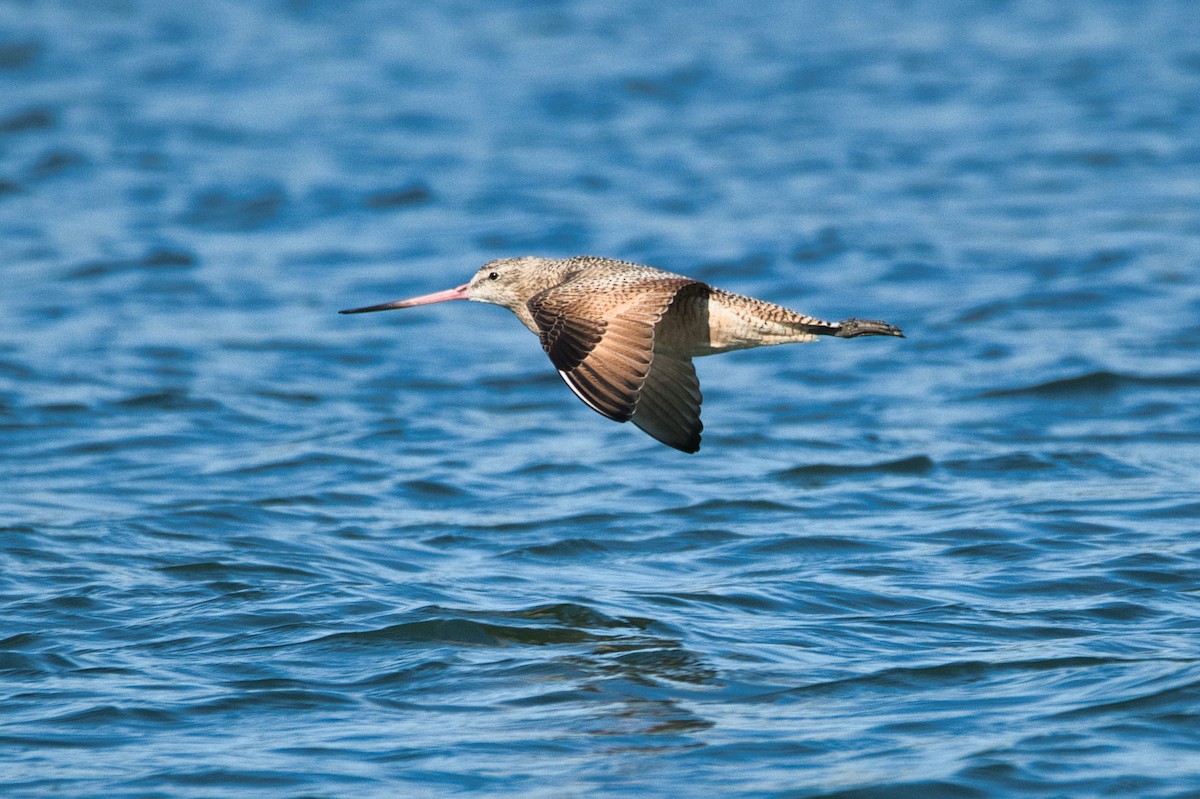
x,y
623,335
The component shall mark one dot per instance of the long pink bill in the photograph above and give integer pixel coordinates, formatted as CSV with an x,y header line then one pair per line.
x,y
457,293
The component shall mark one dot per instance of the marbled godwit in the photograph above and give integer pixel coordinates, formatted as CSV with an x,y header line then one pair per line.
x,y
623,335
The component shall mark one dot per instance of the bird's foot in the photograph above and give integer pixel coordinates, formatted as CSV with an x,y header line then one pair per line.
x,y
853,328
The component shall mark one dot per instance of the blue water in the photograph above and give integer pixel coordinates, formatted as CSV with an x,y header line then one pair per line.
x,y
249,547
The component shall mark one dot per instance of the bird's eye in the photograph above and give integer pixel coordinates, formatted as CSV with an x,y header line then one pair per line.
x,y
493,276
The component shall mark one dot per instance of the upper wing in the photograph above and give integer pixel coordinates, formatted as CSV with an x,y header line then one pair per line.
x,y
599,333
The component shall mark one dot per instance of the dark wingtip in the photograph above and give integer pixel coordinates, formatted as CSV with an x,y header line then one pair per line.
x,y
853,328
690,445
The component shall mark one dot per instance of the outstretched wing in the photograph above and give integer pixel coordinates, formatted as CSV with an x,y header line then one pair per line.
x,y
599,333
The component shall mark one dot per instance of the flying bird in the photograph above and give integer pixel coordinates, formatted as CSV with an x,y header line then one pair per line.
x,y
623,335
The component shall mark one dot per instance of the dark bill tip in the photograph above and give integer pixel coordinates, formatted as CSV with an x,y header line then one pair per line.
x,y
387,306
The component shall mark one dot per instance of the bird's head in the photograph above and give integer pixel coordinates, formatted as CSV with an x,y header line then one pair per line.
x,y
507,282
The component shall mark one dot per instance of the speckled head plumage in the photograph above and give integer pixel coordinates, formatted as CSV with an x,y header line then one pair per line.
x,y
510,282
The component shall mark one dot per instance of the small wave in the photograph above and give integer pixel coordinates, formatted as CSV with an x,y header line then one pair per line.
x,y
575,521
110,715
571,614
555,624
397,198
156,259
824,472
1099,382
72,739
236,208
167,400
16,370
126,444
55,162
462,632
994,550
672,663
29,119
331,498
730,508
808,544
926,789
941,675
1180,510
300,463
915,271
290,397
433,489
1022,464
567,548
288,699
557,470
827,243
18,55
240,780
1180,695
32,664
219,570
740,600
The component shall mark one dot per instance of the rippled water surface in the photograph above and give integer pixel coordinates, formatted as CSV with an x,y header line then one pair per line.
x,y
249,547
